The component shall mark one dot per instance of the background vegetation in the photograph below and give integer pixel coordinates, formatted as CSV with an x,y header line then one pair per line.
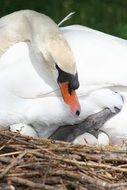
x,y
109,16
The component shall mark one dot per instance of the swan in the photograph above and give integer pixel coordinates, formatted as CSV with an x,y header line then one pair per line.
x,y
39,78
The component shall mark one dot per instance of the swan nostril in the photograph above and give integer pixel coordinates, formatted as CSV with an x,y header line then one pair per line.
x,y
77,113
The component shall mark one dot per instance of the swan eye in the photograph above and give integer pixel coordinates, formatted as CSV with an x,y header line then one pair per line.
x,y
67,77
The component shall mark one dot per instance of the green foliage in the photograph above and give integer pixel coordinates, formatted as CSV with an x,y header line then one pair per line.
x,y
109,16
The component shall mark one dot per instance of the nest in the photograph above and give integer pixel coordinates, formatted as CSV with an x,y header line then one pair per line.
x,y
31,163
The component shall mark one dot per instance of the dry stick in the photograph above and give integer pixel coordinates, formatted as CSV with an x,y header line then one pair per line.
x,y
28,174
8,142
75,185
41,165
92,174
31,184
5,159
11,153
94,165
32,145
34,165
112,157
18,152
51,154
12,164
53,180
123,166
81,163
19,140
8,187
82,178
50,180
63,185
9,135
100,156
46,173
116,185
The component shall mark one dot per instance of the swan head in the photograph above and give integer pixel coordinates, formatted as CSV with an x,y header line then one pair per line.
x,y
67,74
59,57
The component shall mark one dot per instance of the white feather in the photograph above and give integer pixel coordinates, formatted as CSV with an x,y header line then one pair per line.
x,y
66,18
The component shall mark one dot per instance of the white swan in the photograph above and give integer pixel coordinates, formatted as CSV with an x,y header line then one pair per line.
x,y
29,92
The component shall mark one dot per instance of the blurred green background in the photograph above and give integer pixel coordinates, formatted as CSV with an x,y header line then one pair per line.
x,y
109,16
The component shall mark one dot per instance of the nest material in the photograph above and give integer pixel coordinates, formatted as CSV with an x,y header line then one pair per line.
x,y
28,163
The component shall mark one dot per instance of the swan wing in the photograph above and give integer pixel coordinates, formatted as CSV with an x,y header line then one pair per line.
x,y
101,58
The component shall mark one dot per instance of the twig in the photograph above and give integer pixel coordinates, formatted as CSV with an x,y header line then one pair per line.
x,y
8,142
11,153
31,184
5,159
94,165
46,173
82,178
12,164
26,174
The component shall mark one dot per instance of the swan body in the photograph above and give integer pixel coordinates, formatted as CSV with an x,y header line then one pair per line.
x,y
27,98
97,54
116,127
105,58
29,92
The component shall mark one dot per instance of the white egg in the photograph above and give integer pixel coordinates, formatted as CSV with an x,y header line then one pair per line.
x,y
23,129
103,139
86,138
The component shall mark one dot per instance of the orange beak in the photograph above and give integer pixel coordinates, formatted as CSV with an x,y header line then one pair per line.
x,y
70,99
